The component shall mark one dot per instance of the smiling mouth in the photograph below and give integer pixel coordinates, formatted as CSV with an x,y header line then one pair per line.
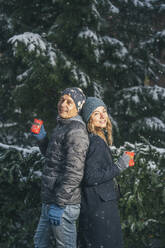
x,y
103,122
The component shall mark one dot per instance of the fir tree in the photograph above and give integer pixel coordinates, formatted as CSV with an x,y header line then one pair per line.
x,y
101,46
141,110
110,49
141,206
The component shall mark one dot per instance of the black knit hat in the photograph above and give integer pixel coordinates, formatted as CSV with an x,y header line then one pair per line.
x,y
77,95
90,105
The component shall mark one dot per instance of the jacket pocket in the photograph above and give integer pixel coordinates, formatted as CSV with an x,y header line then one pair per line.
x,y
106,191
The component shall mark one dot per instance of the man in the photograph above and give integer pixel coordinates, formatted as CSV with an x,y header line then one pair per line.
x,y
65,154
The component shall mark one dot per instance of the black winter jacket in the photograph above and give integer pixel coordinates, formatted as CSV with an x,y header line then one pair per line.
x,y
65,159
99,220
100,170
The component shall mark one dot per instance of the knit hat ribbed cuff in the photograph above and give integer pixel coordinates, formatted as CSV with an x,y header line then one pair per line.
x,y
90,105
77,95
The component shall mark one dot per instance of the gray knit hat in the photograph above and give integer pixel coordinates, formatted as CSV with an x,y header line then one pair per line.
x,y
90,105
77,95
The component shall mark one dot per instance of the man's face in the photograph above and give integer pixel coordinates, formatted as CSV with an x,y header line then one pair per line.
x,y
66,107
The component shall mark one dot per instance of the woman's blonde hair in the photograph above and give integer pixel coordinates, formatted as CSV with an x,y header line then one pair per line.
x,y
98,131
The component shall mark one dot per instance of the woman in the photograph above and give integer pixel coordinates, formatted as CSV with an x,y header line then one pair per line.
x,y
99,222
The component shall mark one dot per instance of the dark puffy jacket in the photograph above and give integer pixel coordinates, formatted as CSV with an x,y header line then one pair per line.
x,y
65,159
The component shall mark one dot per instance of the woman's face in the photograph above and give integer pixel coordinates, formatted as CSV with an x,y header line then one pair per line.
x,y
99,117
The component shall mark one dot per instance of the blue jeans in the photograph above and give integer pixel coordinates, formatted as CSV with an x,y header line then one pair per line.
x,y
65,235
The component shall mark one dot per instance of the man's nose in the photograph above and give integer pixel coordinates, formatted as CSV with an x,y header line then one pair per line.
x,y
63,103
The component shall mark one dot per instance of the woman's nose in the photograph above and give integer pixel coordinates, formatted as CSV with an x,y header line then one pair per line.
x,y
101,115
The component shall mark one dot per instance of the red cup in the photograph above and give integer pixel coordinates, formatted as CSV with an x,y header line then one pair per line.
x,y
36,126
131,161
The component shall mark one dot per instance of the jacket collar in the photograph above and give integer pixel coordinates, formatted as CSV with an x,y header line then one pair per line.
x,y
75,118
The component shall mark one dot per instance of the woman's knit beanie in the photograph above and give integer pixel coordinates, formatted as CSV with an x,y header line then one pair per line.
x,y
90,105
77,95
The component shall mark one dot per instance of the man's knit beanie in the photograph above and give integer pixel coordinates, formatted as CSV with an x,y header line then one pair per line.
x,y
90,105
77,95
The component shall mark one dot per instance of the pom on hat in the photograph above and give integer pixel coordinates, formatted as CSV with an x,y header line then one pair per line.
x,y
77,95
90,105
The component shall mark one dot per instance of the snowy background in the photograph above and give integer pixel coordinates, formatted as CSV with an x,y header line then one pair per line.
x,y
114,50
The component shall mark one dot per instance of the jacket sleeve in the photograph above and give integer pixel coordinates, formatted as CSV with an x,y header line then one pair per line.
x,y
76,146
98,169
43,144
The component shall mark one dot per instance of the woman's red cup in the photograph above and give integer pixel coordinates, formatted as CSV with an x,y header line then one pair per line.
x,y
131,155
